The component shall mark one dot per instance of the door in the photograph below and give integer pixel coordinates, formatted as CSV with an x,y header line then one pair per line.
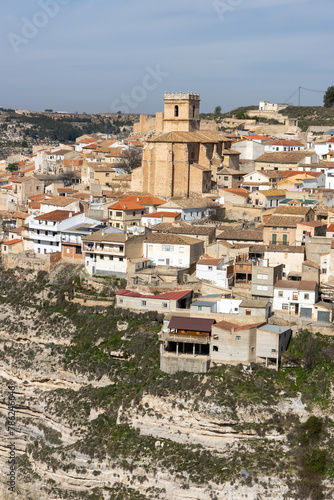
x,y
306,312
273,239
324,316
285,239
167,262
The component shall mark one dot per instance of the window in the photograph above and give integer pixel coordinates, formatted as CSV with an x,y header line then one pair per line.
x,y
102,257
121,301
181,249
215,348
262,276
168,248
133,213
5,248
107,174
253,349
238,337
262,287
118,214
225,178
306,296
248,312
111,257
324,271
273,350
210,268
78,251
121,259
176,111
280,293
215,337
143,302
164,304
199,308
285,307
121,248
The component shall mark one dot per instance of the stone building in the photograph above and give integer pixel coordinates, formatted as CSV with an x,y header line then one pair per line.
x,y
184,160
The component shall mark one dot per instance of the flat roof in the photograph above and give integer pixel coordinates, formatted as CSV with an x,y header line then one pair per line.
x,y
274,328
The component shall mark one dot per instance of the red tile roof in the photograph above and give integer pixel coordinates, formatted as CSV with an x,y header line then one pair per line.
x,y
162,214
57,215
209,261
126,205
12,242
145,200
238,191
299,285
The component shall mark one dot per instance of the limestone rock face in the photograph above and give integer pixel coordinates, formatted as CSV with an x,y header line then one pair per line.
x,y
48,432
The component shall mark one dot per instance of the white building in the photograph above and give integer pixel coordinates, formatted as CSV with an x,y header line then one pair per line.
x,y
282,145
296,297
109,254
323,148
216,271
46,230
249,149
173,250
269,106
329,179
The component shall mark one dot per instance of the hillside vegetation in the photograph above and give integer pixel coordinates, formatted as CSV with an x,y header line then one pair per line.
x,y
88,343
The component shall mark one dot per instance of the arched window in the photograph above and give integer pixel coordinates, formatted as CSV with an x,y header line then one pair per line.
x,y
194,111
176,111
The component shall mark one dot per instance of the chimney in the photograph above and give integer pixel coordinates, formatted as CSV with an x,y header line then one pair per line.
x,y
124,206
232,330
138,198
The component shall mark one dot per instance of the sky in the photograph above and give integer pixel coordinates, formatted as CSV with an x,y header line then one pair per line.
x,y
102,56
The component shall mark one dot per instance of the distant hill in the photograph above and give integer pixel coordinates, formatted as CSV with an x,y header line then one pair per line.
x,y
310,115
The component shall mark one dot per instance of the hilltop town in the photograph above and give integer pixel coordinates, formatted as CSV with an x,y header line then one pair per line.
x,y
232,231
166,280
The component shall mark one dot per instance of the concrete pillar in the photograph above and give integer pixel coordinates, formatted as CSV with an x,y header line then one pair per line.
x,y
177,348
200,349
277,363
194,350
266,362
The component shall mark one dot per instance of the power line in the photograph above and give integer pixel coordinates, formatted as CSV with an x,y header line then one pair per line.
x,y
310,90
302,88
291,96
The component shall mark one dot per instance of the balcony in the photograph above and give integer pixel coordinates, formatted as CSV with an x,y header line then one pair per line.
x,y
188,339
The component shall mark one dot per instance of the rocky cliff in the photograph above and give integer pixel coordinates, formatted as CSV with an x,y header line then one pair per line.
x,y
96,419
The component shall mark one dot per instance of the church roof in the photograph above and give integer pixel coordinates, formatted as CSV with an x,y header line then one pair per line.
x,y
202,136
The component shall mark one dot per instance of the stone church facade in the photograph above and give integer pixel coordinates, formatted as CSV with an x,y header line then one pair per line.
x,y
183,161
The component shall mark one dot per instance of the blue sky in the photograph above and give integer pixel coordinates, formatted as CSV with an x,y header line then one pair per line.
x,y
99,55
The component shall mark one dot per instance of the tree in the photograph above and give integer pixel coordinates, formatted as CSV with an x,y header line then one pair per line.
x,y
218,110
329,97
131,159
12,167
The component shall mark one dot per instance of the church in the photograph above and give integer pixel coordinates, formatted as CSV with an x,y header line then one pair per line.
x,y
183,161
